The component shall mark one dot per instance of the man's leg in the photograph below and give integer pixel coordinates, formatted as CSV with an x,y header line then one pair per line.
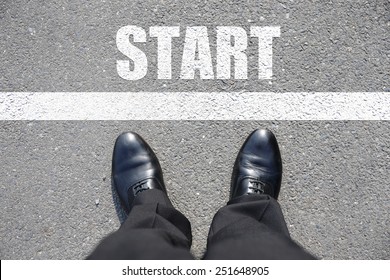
x,y
252,225
154,229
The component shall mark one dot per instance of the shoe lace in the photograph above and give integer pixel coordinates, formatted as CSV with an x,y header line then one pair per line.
x,y
257,186
140,187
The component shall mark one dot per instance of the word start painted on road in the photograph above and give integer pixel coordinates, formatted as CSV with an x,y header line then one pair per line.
x,y
231,46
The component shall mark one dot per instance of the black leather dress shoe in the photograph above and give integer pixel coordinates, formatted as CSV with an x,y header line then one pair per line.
x,y
135,168
258,167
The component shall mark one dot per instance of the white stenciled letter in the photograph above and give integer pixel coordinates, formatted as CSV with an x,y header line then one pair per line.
x,y
196,45
265,35
164,36
225,50
135,54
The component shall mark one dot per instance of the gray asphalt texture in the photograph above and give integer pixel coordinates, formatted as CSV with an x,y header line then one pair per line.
x,y
56,197
70,45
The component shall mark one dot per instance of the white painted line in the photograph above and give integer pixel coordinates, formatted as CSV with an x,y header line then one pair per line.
x,y
194,106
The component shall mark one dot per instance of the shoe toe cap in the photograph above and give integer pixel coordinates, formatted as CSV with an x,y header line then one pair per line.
x,y
263,144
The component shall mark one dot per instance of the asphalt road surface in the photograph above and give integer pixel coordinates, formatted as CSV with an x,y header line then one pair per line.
x,y
56,196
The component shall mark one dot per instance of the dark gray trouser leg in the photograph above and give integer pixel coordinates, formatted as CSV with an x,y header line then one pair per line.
x,y
252,227
154,229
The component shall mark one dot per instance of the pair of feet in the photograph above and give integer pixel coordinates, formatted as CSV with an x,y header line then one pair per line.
x,y
257,169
